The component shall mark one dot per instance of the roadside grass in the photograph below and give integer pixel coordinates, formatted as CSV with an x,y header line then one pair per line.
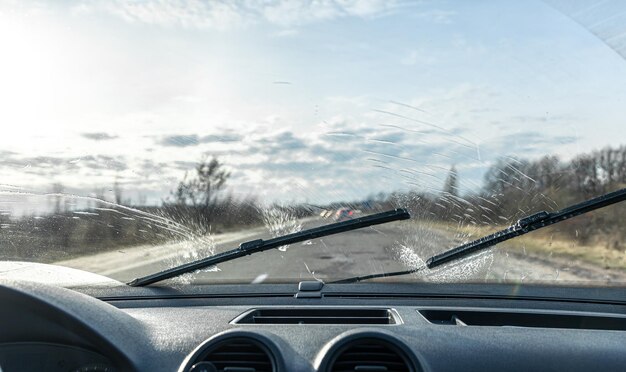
x,y
546,244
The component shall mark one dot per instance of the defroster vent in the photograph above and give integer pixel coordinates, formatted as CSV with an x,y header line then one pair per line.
x,y
319,316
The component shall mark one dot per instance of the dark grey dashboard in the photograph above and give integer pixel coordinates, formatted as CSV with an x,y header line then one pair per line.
x,y
368,327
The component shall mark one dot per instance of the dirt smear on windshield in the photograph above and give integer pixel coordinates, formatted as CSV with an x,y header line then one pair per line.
x,y
280,221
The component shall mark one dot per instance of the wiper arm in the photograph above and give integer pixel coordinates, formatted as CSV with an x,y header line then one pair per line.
x,y
523,226
355,279
260,245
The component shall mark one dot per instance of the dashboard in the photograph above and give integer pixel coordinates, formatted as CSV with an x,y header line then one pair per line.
x,y
36,356
365,327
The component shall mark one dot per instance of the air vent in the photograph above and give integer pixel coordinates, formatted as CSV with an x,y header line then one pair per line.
x,y
524,319
238,354
370,354
319,316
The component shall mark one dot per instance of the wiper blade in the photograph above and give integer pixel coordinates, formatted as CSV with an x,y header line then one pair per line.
x,y
355,279
260,245
523,226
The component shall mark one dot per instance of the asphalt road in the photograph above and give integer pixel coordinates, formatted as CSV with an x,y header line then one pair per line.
x,y
384,248
347,254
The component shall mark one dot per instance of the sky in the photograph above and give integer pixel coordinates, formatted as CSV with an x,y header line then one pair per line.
x,y
313,101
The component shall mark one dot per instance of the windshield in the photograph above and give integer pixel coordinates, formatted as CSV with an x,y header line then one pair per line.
x,y
139,136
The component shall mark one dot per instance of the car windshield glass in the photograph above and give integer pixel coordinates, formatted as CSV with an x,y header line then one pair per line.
x,y
140,136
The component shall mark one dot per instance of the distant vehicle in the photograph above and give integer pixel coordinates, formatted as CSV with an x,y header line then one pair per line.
x,y
343,214
326,213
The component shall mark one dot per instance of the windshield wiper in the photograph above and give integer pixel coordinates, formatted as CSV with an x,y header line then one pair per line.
x,y
523,226
260,245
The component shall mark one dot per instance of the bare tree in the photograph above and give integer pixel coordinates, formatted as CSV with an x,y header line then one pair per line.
x,y
201,190
57,190
117,192
451,185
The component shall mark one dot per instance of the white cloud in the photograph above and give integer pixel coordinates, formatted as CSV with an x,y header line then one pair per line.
x,y
226,15
173,13
437,16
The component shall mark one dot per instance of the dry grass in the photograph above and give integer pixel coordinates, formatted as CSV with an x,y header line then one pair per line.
x,y
548,243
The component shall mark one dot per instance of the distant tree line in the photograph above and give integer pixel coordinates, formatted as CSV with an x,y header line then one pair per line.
x,y
65,234
514,188
196,207
200,204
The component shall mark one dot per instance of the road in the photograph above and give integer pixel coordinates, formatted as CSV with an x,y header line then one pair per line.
x,y
384,248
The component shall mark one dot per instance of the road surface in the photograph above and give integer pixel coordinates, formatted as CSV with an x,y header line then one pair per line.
x,y
384,248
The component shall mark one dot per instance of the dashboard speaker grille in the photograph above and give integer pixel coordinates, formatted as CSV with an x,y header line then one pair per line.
x,y
239,354
369,355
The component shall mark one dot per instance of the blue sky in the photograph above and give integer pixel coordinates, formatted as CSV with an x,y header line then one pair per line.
x,y
320,101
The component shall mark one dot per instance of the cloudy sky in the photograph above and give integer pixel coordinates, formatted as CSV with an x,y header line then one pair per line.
x,y
304,101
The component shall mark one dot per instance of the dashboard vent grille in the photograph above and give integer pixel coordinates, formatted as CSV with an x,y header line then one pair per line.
x,y
497,318
319,316
239,354
370,355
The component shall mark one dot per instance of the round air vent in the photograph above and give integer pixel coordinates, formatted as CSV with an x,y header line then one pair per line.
x,y
369,354
234,354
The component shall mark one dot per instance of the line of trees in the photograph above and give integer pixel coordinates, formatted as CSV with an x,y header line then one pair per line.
x,y
197,206
201,204
514,188
518,186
